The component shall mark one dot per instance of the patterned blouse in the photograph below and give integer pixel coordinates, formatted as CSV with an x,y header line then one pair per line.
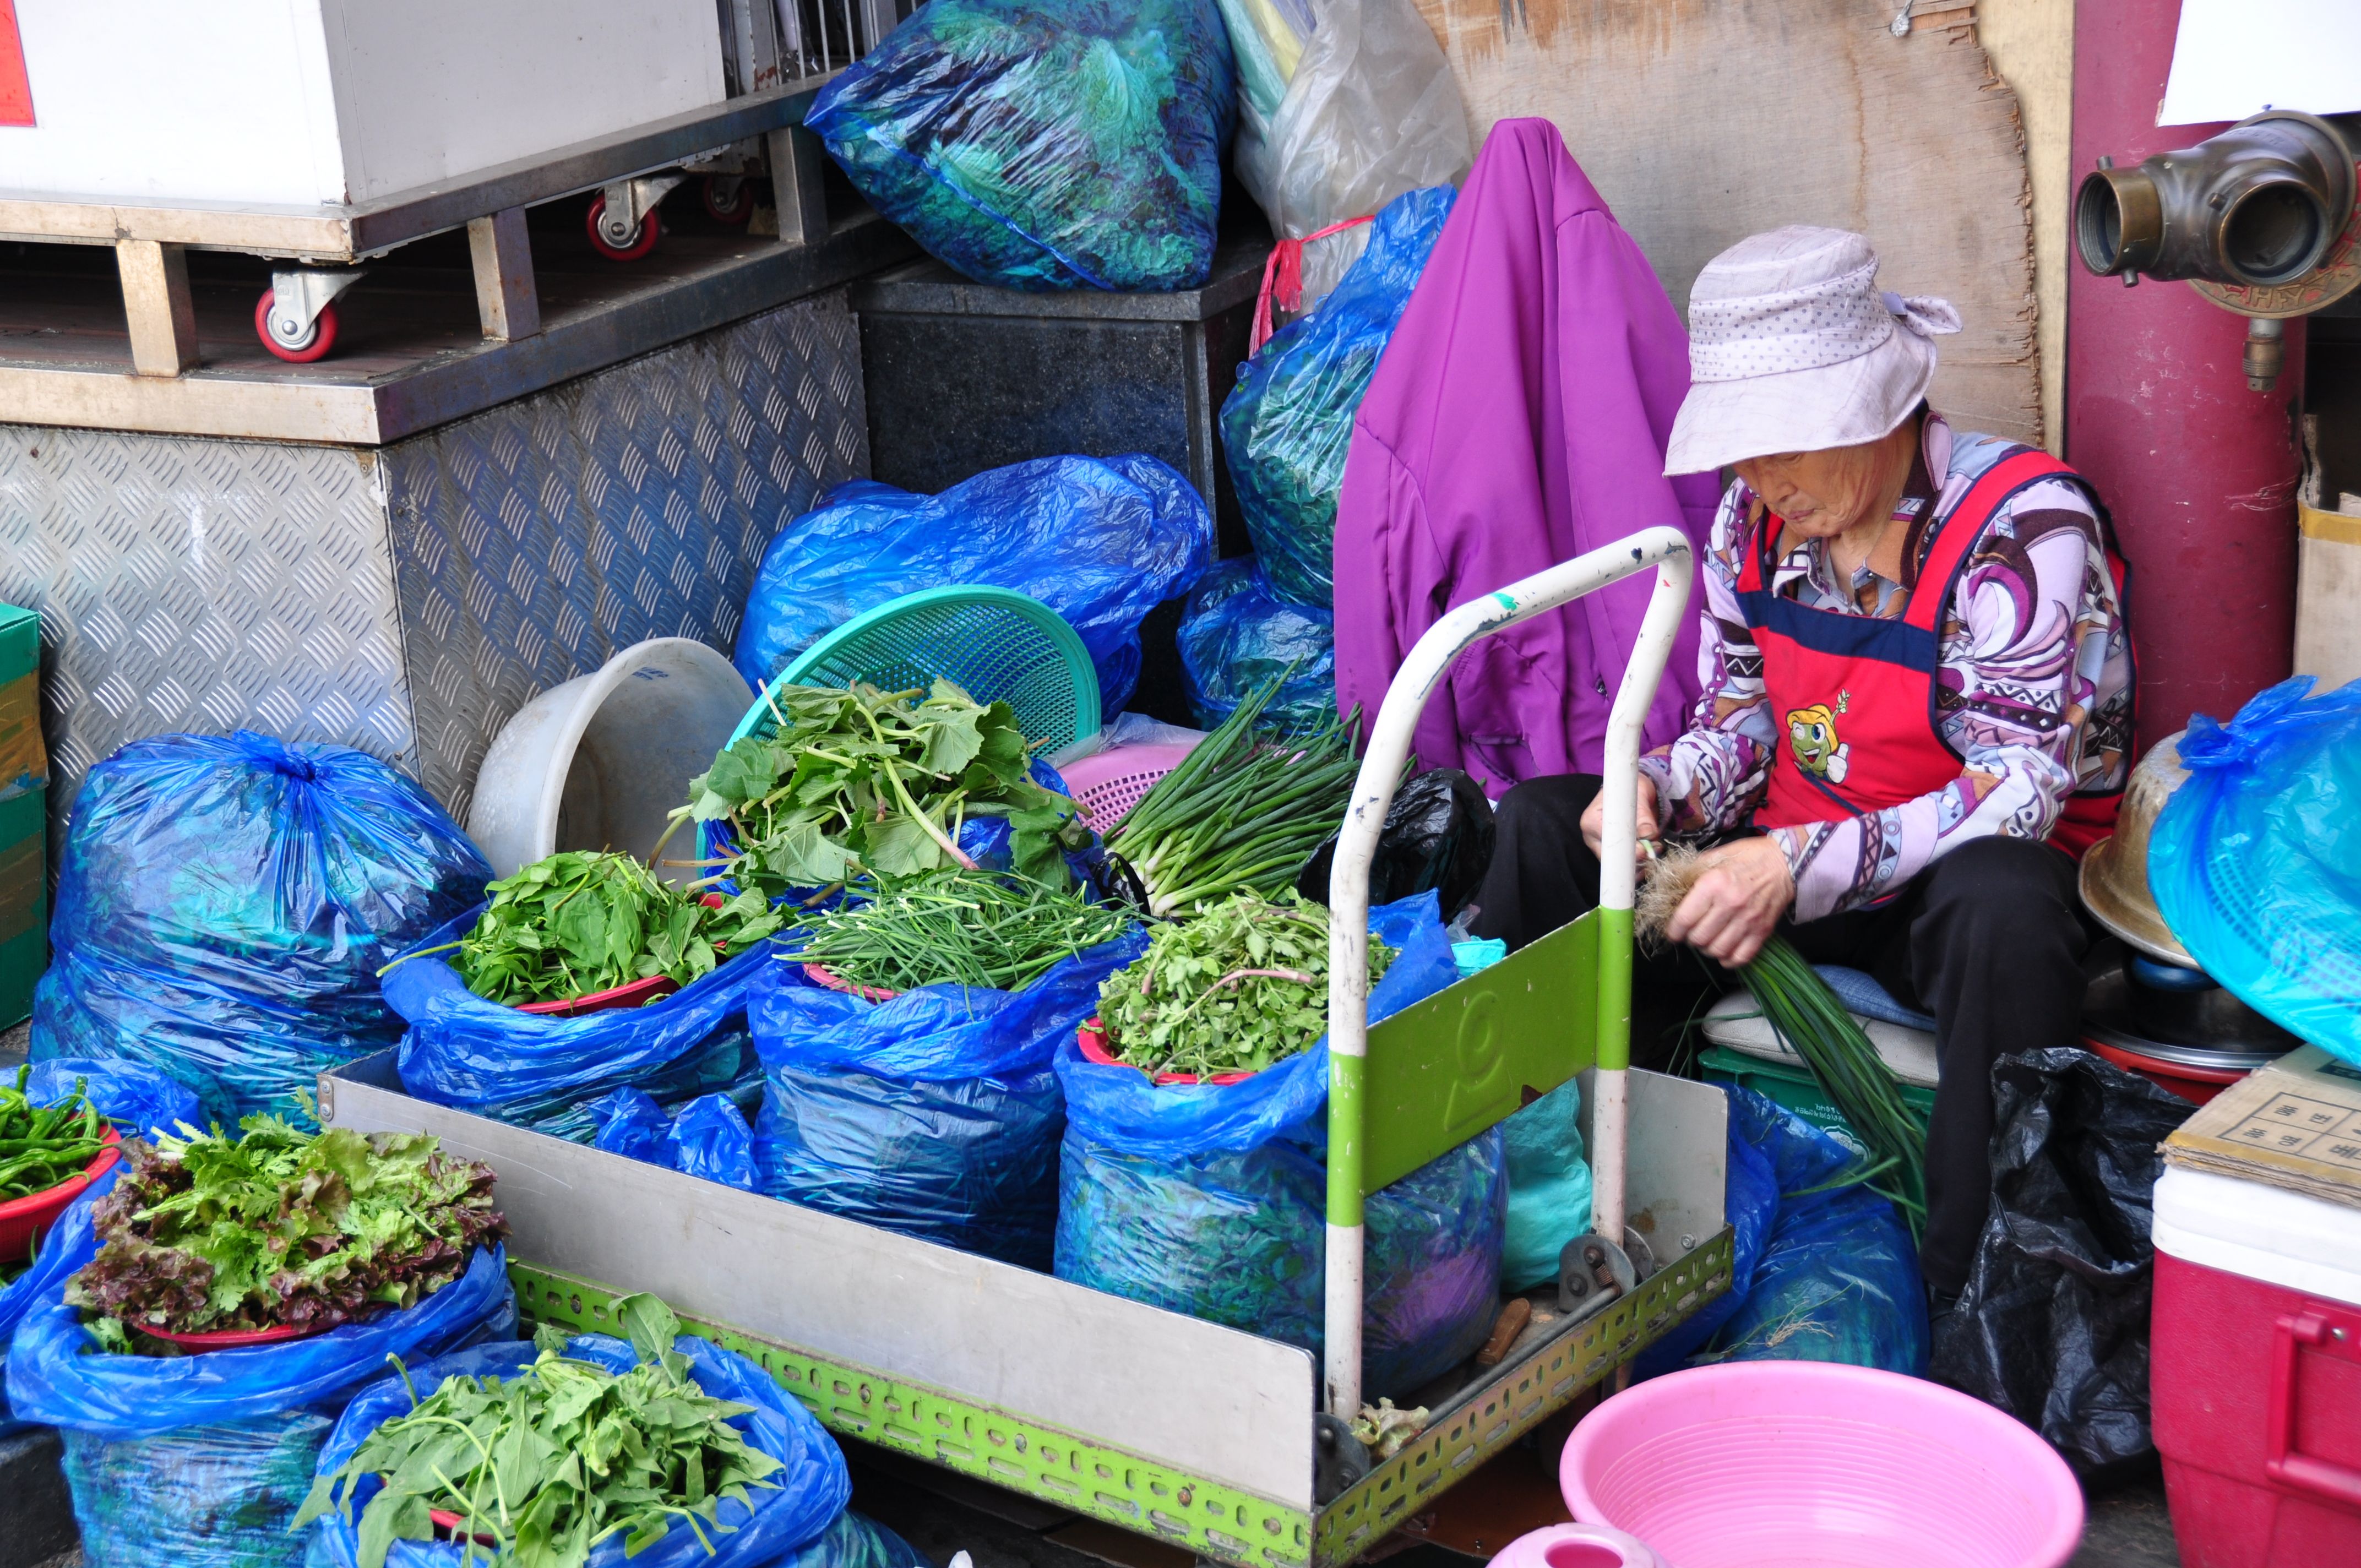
x,y
2034,672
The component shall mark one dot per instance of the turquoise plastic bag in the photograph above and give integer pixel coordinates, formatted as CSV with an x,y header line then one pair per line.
x,y
1549,1187
2256,862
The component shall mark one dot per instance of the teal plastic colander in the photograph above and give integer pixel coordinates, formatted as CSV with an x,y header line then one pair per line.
x,y
994,644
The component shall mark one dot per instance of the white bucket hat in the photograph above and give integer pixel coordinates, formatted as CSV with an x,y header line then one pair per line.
x,y
1792,348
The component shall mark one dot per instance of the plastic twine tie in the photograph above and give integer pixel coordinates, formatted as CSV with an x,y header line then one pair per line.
x,y
1282,279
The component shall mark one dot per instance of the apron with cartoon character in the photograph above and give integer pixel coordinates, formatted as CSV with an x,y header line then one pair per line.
x,y
1855,694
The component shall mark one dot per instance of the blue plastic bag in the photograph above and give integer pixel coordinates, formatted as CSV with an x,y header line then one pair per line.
x,y
534,1070
709,1138
139,1100
2255,861
936,1113
225,903
1287,422
1838,1279
1549,1187
1213,1200
66,1245
1044,145
812,1489
1100,541
201,1461
1750,1203
1236,637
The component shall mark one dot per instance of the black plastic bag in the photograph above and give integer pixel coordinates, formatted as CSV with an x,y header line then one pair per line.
x,y
2053,1326
1438,835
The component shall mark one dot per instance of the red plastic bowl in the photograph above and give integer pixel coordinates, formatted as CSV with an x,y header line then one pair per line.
x,y
638,993
23,1218
447,1521
229,1339
2195,1084
1091,1037
824,976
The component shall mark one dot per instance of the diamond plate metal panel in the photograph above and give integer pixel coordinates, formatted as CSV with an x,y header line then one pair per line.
x,y
534,541
190,584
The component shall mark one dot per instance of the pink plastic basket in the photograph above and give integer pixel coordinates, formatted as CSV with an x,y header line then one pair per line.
x,y
1810,1464
1107,784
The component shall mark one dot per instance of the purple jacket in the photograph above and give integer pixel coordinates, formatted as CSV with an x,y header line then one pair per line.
x,y
1518,419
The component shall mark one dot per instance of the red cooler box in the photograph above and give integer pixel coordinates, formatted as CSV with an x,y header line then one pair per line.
x,y
2255,1373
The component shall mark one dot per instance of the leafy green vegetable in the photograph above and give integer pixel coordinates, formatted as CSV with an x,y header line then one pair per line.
x,y
579,923
1240,986
1242,812
860,780
552,1462
961,928
43,1146
280,1227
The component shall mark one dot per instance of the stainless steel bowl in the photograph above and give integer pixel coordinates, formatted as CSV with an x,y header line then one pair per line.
x,y
2195,1027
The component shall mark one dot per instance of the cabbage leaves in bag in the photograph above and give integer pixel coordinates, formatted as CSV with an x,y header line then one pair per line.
x,y
1042,145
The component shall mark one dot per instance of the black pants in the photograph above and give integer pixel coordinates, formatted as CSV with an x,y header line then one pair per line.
x,y
1989,939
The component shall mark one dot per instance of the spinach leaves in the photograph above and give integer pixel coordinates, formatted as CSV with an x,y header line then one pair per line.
x,y
541,1467
579,923
858,780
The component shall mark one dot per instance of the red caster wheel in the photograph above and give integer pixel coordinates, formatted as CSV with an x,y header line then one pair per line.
x,y
729,199
643,238
315,342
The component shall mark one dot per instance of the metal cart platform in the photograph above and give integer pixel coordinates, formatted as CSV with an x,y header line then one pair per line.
x,y
1214,1440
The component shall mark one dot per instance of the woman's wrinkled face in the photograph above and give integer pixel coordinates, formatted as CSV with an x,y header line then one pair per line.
x,y
1822,494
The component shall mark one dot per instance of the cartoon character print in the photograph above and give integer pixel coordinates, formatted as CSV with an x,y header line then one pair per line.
x,y
1812,734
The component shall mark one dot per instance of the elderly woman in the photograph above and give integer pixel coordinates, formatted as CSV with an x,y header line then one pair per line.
x,y
1917,698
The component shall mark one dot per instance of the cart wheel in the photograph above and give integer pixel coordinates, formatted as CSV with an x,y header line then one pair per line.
x,y
738,208
643,238
314,344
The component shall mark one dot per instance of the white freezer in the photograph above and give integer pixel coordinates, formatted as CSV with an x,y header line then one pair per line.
x,y
332,101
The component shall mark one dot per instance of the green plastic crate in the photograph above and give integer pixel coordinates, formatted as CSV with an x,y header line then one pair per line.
x,y
24,824
1791,1084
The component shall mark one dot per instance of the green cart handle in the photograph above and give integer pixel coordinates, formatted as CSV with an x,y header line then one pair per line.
x,y
1668,551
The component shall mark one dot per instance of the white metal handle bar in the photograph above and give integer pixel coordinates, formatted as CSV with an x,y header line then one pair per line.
x,y
1668,551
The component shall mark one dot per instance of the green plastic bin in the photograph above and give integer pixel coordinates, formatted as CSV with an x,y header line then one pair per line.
x,y
24,822
1792,1085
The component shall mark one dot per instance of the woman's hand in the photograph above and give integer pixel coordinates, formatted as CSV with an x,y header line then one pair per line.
x,y
1735,901
1594,819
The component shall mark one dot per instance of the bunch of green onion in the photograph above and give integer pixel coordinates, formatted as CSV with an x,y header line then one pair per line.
x,y
1817,1026
986,929
1241,813
1844,1061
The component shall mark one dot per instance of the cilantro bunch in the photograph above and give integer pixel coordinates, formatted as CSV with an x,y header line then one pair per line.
x,y
1239,986
545,1465
579,923
280,1227
858,780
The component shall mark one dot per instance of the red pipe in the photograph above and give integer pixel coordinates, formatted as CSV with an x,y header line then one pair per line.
x,y
2199,472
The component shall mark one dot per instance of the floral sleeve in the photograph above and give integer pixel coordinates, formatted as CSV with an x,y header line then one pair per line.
x,y
1711,777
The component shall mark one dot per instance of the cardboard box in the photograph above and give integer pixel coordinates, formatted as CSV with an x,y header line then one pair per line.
x,y
2296,1123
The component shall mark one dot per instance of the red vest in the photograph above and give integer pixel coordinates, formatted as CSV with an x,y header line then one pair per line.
x,y
1854,695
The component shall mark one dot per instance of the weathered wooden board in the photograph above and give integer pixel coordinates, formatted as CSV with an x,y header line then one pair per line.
x,y
1704,121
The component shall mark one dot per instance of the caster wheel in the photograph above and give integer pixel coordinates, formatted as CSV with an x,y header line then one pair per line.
x,y
320,337
643,238
729,199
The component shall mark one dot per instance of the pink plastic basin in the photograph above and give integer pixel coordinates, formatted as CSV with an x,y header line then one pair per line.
x,y
1809,1464
1577,1546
